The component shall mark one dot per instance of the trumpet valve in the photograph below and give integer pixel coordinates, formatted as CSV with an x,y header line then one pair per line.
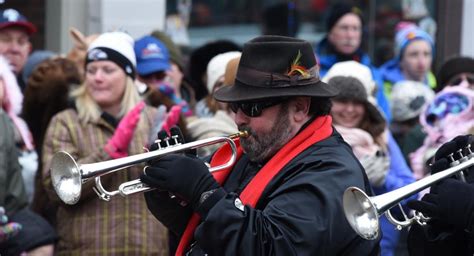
x,y
470,153
175,139
462,158
453,161
158,143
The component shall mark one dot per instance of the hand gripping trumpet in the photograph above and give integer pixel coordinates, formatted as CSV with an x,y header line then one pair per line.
x,y
363,212
67,175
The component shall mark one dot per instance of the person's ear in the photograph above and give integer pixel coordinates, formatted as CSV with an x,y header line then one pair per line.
x,y
301,108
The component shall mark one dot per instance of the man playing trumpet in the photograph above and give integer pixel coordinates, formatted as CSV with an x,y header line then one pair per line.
x,y
283,195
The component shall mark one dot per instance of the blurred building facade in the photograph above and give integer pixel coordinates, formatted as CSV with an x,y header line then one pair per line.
x,y
195,22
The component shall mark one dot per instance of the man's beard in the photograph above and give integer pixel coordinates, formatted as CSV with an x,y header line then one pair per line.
x,y
260,147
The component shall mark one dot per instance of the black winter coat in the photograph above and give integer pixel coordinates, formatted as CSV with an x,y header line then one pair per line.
x,y
299,213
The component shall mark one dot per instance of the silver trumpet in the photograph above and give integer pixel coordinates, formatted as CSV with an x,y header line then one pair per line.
x,y
363,212
67,175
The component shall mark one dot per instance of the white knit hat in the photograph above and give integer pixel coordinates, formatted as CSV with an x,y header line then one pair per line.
x,y
216,67
114,46
408,99
353,69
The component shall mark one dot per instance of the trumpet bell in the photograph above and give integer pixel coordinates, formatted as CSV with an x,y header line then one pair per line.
x,y
361,213
66,177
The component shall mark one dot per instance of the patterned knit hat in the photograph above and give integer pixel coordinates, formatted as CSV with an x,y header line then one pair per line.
x,y
408,99
409,34
450,113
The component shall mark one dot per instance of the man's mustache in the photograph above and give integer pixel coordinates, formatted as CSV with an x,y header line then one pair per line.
x,y
352,43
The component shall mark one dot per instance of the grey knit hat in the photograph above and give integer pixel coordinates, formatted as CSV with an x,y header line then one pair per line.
x,y
33,60
350,88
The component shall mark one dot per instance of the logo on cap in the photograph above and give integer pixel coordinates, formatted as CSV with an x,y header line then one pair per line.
x,y
11,15
97,54
152,51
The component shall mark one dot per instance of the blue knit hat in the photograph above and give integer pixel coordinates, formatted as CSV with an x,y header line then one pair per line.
x,y
409,34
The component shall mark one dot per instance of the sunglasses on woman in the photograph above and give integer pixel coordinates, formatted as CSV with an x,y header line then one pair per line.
x,y
459,78
254,109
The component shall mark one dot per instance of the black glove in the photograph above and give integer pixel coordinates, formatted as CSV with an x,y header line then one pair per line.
x,y
168,209
450,150
460,142
185,176
452,205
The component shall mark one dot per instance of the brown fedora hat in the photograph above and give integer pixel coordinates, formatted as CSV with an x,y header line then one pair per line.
x,y
275,66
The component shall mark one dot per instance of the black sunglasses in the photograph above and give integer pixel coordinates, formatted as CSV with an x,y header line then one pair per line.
x,y
254,109
160,75
457,80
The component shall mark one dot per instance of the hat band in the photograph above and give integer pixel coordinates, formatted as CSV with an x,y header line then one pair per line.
x,y
104,53
258,78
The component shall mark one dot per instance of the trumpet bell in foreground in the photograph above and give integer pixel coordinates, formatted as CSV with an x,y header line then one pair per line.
x,y
361,213
66,177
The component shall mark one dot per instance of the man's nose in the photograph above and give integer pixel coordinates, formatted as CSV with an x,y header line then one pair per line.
x,y
353,32
240,118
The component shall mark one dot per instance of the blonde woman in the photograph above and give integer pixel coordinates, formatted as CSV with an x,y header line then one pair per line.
x,y
107,122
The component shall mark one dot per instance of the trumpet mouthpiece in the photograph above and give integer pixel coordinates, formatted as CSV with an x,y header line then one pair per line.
x,y
240,134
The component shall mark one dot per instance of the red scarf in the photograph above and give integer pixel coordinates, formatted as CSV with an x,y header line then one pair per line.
x,y
319,129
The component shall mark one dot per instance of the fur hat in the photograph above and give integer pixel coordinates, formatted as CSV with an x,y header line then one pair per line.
x,y
275,66
231,71
408,99
452,67
47,93
216,67
13,102
114,46
15,96
353,69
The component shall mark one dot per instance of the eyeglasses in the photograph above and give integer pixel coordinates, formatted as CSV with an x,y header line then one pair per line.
x,y
458,79
254,109
160,75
